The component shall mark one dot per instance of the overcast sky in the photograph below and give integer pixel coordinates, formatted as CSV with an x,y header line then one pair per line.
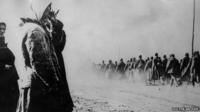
x,y
110,29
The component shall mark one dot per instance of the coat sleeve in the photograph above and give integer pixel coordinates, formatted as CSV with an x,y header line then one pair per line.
x,y
59,40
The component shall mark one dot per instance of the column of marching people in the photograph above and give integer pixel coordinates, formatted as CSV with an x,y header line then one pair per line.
x,y
155,70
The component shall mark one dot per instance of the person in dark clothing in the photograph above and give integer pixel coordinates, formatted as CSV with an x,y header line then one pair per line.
x,y
134,61
184,67
59,41
195,68
42,48
110,66
157,67
121,68
164,62
9,92
173,68
166,76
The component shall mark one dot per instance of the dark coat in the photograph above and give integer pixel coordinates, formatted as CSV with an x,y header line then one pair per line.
x,y
184,63
173,67
164,64
59,42
49,90
9,91
121,67
195,66
157,64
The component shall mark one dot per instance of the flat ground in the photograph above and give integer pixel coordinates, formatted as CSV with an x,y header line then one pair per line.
x,y
98,94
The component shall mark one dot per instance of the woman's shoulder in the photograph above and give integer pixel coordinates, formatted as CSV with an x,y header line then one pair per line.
x,y
5,51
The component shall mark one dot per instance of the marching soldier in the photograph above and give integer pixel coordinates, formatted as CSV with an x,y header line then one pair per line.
x,y
121,68
148,69
195,68
185,71
157,68
173,68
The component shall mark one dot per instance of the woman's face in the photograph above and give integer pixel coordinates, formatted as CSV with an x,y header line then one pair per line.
x,y
2,30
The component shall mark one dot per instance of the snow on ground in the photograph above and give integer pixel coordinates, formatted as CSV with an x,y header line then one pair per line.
x,y
98,94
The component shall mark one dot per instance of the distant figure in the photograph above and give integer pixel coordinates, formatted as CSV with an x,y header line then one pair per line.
x,y
121,68
157,67
148,69
133,64
173,68
140,64
110,65
42,46
164,65
9,92
115,66
128,69
109,69
103,66
195,68
185,68
164,62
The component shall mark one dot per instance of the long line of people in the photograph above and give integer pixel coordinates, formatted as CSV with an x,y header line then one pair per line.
x,y
157,70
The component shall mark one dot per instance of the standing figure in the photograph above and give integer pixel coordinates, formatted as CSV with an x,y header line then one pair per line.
x,y
103,67
128,69
133,64
42,47
173,68
109,69
195,68
148,70
115,66
185,65
157,68
9,92
121,68
164,64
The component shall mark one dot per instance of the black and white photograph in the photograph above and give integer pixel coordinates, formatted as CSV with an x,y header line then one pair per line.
x,y
99,55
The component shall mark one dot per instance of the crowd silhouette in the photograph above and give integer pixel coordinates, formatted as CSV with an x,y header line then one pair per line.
x,y
156,70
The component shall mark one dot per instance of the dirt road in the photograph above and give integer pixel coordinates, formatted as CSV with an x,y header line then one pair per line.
x,y
94,94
